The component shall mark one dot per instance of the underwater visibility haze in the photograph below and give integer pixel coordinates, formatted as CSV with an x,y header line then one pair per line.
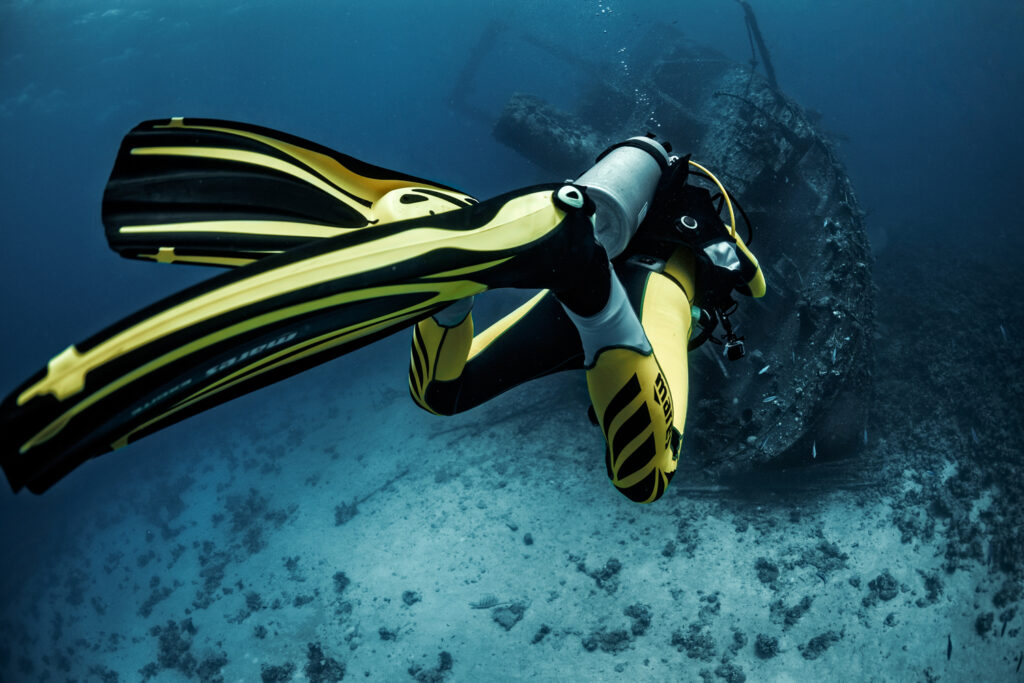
x,y
829,489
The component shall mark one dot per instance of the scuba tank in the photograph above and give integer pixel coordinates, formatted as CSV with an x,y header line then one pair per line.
x,y
621,184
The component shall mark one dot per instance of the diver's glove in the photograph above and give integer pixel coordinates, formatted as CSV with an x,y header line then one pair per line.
x,y
453,314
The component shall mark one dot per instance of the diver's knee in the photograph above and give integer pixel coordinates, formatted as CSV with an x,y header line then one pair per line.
x,y
645,487
650,492
431,403
435,409
445,410
437,398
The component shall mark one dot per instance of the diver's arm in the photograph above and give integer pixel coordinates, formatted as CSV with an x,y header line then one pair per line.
x,y
752,277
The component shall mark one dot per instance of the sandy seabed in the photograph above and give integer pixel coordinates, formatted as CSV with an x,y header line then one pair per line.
x,y
314,533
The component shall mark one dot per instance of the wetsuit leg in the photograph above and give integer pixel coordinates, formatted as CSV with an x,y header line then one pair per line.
x,y
640,399
451,371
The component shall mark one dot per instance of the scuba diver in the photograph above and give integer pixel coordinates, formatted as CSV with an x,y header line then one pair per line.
x,y
327,253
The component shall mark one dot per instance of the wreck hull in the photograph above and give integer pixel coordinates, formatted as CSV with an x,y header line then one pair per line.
x,y
803,392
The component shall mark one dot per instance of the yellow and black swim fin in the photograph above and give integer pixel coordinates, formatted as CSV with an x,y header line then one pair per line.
x,y
281,313
225,193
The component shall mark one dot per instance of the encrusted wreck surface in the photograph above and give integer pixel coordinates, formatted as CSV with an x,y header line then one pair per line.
x,y
803,391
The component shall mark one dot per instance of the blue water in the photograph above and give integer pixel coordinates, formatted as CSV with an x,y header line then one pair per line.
x,y
929,98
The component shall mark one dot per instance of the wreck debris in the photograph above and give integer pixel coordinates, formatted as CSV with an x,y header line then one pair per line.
x,y
754,35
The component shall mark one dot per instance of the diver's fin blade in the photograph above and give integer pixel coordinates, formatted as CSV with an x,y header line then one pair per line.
x,y
207,345
258,324
206,191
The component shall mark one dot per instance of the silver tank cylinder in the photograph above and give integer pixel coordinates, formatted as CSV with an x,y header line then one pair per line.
x,y
622,185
